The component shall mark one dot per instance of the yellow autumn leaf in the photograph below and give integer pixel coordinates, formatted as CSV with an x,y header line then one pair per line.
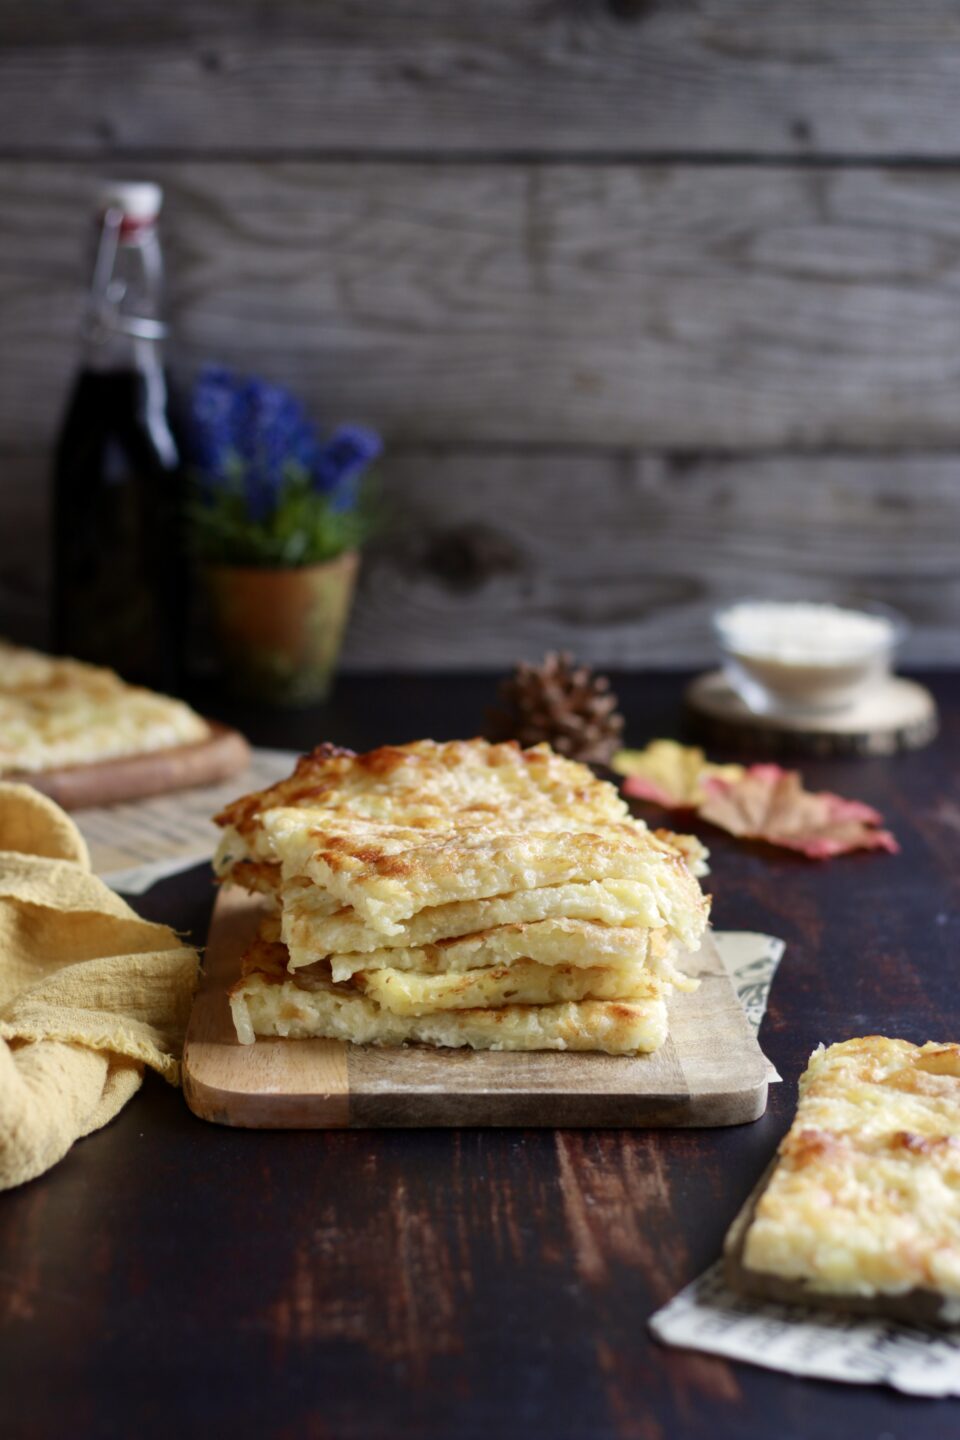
x,y
670,774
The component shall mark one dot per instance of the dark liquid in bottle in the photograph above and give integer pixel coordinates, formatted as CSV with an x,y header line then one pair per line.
x,y
118,593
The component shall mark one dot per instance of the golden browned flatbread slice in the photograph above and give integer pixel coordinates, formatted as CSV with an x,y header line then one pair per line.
x,y
268,1001
427,783
404,992
458,785
316,924
548,942
387,874
861,1211
425,786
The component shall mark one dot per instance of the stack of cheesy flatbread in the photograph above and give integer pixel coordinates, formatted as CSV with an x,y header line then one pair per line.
x,y
460,894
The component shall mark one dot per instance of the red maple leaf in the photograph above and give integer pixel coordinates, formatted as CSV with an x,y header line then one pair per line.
x,y
768,803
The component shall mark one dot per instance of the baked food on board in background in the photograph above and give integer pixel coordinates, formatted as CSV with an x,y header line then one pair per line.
x,y
84,737
56,712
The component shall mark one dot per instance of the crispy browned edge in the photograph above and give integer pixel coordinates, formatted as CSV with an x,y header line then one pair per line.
x,y
914,1307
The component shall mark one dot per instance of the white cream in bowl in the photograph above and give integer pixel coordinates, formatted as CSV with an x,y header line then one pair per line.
x,y
793,656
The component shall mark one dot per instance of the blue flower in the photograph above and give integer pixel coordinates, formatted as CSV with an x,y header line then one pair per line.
x,y
248,430
213,422
341,461
273,430
256,439
274,440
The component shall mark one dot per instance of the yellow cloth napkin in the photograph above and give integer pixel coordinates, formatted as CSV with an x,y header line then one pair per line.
x,y
89,992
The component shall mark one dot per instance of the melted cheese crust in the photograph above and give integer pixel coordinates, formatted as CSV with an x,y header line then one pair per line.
x,y
316,925
267,1001
462,784
56,712
388,873
428,784
865,1197
548,942
404,992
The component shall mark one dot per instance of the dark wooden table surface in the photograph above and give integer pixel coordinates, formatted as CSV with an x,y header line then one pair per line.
x,y
170,1277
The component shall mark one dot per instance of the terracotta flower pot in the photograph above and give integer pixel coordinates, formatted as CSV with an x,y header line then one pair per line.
x,y
280,631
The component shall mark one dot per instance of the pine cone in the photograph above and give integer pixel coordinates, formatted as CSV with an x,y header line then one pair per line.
x,y
563,703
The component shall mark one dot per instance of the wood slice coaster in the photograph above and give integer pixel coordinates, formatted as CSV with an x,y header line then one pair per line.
x,y
897,715
710,1071
135,777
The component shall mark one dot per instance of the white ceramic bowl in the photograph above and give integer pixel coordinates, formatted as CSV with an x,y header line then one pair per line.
x,y
794,657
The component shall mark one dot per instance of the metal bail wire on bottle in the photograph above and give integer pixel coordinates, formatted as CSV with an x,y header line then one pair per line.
x,y
104,316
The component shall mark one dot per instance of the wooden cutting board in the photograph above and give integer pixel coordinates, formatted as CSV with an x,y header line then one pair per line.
x,y
711,1071
135,777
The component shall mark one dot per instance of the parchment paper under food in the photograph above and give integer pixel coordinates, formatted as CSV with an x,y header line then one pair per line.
x,y
708,1316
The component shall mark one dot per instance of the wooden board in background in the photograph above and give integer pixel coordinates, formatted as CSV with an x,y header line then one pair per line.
x,y
711,1071
135,777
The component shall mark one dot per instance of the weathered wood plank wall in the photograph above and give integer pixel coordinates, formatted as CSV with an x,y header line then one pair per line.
x,y
567,77
653,303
